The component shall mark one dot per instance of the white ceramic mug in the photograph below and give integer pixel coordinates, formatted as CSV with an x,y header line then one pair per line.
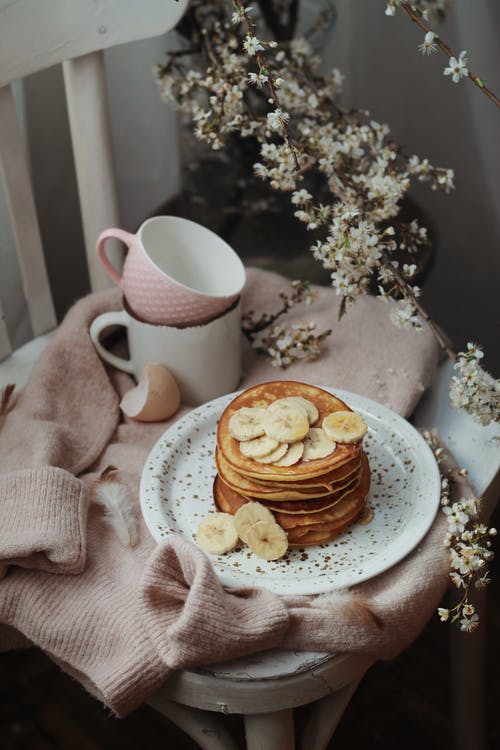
x,y
205,360
176,272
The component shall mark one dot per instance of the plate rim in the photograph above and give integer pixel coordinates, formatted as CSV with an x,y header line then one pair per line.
x,y
409,430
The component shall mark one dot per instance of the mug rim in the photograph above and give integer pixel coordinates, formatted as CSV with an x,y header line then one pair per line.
x,y
170,279
182,326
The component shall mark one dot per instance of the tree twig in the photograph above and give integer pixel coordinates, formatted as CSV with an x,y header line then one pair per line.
x,y
447,51
262,65
407,291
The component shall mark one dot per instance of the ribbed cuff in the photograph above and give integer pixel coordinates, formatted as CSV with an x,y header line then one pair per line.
x,y
191,620
43,517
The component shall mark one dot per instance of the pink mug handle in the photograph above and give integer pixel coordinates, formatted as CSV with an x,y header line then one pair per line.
x,y
118,234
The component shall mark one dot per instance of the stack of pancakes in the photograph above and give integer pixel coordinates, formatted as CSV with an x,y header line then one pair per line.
x,y
312,500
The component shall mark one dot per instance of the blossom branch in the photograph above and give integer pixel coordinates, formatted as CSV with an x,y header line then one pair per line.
x,y
209,50
408,292
468,541
300,293
357,176
415,16
285,345
270,83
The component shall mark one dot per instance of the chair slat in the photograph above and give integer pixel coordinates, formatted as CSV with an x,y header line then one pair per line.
x,y
5,348
85,83
21,206
35,34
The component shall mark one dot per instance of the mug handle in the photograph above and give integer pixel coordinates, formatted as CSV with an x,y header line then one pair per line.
x,y
118,234
118,317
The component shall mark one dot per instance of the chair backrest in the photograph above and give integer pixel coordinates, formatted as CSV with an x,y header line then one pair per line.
x,y
34,35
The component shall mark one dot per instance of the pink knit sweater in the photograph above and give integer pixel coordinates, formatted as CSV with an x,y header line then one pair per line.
x,y
119,619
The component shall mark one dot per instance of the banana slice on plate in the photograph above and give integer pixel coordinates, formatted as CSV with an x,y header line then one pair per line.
x,y
248,514
286,422
271,458
293,454
217,533
267,540
317,444
344,426
311,410
247,423
258,447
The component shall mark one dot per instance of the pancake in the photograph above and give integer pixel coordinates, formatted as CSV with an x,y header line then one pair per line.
x,y
285,492
307,538
302,507
339,515
312,537
314,504
263,395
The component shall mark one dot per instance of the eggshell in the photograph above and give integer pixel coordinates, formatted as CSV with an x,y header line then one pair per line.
x,y
155,397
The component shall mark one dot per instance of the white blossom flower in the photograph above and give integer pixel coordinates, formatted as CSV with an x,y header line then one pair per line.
x,y
257,79
457,579
483,581
390,9
443,613
277,119
252,45
468,624
446,179
428,46
457,518
409,270
239,14
260,170
304,216
404,315
300,197
457,69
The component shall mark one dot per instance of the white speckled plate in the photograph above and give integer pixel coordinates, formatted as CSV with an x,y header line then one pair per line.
x,y
176,493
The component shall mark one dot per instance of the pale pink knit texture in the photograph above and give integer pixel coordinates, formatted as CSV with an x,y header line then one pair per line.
x,y
120,620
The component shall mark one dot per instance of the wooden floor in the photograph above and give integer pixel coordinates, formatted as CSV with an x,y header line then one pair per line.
x,y
401,704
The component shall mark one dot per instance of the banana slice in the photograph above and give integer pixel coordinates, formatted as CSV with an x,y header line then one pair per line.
x,y
247,423
249,514
261,446
271,458
293,454
267,540
317,445
286,422
344,426
312,412
217,533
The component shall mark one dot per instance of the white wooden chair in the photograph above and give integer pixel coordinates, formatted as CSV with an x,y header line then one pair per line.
x,y
265,688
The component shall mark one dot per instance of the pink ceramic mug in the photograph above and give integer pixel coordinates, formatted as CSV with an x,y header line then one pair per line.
x,y
176,272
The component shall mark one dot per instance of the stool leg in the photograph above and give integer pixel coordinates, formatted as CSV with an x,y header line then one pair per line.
x,y
204,727
270,731
324,716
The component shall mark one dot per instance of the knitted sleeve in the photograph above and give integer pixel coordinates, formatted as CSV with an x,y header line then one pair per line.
x,y
59,424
